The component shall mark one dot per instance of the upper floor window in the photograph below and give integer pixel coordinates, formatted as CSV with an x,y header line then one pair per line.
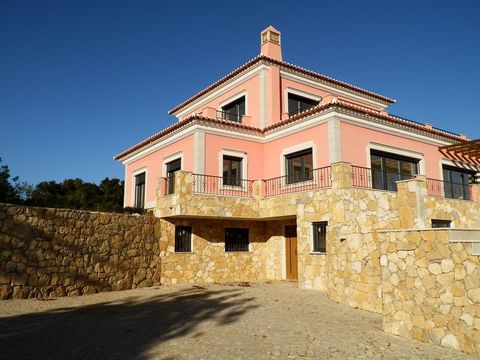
x,y
139,202
297,103
387,169
457,183
234,110
232,170
299,166
172,168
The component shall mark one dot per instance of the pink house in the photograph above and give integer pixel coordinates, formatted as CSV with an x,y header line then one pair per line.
x,y
270,170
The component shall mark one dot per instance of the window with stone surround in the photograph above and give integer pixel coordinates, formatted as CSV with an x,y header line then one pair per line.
x,y
441,223
298,104
319,232
237,239
232,170
234,110
183,239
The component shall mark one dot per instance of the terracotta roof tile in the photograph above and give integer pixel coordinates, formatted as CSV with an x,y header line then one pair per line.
x,y
285,65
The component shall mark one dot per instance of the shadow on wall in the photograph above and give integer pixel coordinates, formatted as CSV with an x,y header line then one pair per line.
x,y
113,330
58,252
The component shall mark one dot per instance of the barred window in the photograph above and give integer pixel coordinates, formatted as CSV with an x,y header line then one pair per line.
x,y
236,239
183,238
319,236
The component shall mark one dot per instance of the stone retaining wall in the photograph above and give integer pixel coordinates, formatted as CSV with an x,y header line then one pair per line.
x,y
431,288
56,252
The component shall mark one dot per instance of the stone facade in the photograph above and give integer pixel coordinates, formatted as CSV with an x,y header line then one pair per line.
x,y
431,288
57,252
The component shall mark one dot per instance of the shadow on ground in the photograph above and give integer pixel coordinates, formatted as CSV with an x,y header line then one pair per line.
x,y
118,330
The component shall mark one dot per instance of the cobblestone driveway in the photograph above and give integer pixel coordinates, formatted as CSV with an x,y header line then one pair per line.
x,y
260,321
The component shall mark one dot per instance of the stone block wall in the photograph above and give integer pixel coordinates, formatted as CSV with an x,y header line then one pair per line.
x,y
56,252
431,288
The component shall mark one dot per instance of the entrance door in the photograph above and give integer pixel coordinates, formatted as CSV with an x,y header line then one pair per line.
x,y
172,167
291,252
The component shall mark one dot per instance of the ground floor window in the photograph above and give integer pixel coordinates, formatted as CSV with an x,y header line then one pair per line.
x,y
319,236
387,169
441,223
139,202
457,183
236,239
183,238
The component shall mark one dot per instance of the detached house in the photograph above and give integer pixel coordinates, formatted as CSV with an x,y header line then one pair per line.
x,y
278,172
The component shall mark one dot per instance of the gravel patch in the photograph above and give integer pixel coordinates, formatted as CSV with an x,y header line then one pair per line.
x,y
250,321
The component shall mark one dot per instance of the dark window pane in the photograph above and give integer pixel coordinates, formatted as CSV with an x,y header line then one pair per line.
x,y
319,236
172,167
236,239
387,169
299,166
441,223
183,238
298,104
457,183
234,110
139,201
232,171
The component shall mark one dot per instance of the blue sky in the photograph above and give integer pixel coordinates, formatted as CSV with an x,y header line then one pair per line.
x,y
80,81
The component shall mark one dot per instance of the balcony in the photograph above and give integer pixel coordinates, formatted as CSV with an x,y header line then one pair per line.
x,y
449,190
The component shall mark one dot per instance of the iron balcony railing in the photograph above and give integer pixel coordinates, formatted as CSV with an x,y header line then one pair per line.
x,y
449,189
218,185
224,115
377,179
300,181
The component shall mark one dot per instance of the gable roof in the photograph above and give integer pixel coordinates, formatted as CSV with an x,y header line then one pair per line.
x,y
286,65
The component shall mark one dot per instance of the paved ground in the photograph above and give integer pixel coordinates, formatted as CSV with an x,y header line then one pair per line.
x,y
260,321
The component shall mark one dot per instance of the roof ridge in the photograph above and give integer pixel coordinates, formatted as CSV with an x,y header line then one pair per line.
x,y
260,57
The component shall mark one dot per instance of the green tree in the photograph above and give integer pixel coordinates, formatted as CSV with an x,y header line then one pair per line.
x,y
16,193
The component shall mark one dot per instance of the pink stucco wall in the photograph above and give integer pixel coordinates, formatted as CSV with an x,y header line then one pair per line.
x,y
291,84
253,151
272,153
154,164
355,141
251,88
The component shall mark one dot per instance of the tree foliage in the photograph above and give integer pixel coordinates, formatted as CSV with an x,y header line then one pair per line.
x,y
71,193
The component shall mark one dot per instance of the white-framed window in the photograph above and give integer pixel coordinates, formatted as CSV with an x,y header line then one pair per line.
x,y
297,101
139,188
171,164
232,168
234,107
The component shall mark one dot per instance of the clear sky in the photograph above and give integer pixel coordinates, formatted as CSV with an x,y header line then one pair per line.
x,y
81,81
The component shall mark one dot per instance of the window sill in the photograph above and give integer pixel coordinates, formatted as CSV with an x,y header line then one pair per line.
x,y
238,251
183,252
317,253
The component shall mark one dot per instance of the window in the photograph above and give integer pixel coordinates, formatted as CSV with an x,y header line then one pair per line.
x,y
387,169
319,236
183,238
457,183
236,239
441,223
139,191
234,110
172,167
297,104
299,166
232,170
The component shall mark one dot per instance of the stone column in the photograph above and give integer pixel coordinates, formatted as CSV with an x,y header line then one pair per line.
x,y
257,189
411,194
183,183
341,175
